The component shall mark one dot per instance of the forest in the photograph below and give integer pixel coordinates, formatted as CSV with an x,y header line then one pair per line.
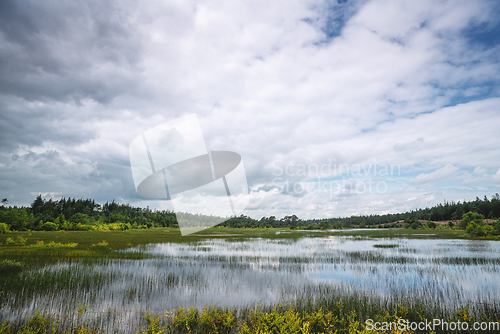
x,y
85,214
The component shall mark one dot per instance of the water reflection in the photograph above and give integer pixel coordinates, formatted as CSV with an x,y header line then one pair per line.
x,y
242,273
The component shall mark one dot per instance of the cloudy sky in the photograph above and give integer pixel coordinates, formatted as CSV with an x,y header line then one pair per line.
x,y
336,107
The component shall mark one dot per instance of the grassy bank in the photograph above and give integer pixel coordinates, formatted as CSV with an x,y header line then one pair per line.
x,y
99,244
332,317
322,311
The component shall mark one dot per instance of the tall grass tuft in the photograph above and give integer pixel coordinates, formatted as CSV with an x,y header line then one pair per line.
x,y
8,266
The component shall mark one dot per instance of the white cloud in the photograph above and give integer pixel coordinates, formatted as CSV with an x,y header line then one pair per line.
x,y
437,175
479,171
496,177
267,82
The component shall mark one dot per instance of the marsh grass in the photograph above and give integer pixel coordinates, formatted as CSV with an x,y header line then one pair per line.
x,y
66,268
385,246
336,316
8,266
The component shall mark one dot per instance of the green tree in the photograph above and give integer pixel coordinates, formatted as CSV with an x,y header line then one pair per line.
x,y
470,217
496,227
416,225
4,228
431,224
475,230
48,226
17,218
79,218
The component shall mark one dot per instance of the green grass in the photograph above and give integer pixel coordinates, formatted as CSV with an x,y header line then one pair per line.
x,y
99,244
341,312
8,266
337,317
386,246
42,247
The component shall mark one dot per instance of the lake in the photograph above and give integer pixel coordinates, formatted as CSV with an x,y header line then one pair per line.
x,y
236,273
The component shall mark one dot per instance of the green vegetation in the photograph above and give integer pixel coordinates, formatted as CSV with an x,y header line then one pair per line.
x,y
86,215
80,230
474,225
386,246
431,224
50,245
9,266
61,244
470,217
337,317
334,313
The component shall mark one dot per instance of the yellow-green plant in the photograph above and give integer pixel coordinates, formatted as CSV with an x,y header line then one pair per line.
x,y
20,241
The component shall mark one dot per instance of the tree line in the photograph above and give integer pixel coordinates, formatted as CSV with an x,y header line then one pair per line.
x,y
82,214
85,214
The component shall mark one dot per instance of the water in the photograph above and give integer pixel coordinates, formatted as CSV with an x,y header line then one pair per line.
x,y
238,274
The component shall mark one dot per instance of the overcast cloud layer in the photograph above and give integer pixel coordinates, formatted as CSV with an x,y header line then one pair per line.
x,y
337,108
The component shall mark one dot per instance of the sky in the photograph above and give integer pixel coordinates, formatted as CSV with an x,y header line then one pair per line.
x,y
337,108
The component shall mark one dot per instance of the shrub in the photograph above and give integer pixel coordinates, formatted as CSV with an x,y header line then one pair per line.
x,y
431,224
9,241
20,241
59,245
475,230
80,227
103,243
39,244
469,217
66,225
48,226
416,225
215,320
154,325
40,324
276,321
80,218
185,321
4,228
10,266
496,227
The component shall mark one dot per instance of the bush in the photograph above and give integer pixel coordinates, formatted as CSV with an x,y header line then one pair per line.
x,y
469,217
20,241
185,321
431,224
103,243
416,225
59,245
10,266
4,228
79,218
41,323
80,227
276,321
48,226
66,225
9,241
475,230
496,227
154,325
215,320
